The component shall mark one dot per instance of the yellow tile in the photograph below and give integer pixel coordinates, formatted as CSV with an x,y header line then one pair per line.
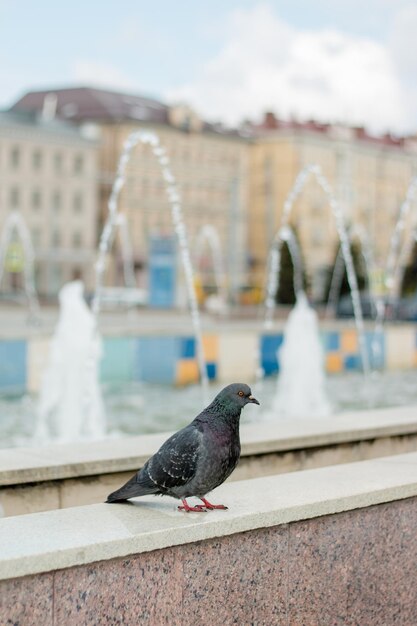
x,y
211,348
334,362
187,371
349,341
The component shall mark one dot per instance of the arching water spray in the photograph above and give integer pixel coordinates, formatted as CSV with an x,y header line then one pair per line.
x,y
174,199
303,176
339,270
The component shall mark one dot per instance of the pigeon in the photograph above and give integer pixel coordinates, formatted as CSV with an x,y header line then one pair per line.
x,y
197,458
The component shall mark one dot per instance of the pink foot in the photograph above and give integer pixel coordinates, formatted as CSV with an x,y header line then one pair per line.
x,y
210,506
198,508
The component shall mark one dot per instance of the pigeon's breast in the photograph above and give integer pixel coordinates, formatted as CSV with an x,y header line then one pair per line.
x,y
217,461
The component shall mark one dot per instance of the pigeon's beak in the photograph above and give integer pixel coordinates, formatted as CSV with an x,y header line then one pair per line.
x,y
254,400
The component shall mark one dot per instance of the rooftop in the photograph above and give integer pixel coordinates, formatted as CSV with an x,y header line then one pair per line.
x,y
86,103
271,123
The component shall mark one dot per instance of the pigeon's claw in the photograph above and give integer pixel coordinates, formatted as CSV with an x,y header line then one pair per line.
x,y
210,506
198,508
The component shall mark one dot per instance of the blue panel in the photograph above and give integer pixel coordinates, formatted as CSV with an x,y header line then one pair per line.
x,y
352,362
211,371
187,348
13,365
269,347
332,342
156,359
162,270
118,359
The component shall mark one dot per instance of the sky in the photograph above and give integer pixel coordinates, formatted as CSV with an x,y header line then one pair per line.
x,y
349,61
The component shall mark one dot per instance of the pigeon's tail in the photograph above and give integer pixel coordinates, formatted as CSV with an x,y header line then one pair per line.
x,y
139,485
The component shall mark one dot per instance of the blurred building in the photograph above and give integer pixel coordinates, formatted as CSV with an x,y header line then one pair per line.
x,y
209,162
369,176
236,181
48,172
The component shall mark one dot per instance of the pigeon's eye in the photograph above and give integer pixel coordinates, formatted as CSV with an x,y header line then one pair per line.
x,y
240,393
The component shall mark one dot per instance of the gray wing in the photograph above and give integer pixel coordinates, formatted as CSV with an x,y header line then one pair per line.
x,y
174,465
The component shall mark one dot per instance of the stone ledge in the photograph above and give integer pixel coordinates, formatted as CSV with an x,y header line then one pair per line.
x,y
60,461
63,538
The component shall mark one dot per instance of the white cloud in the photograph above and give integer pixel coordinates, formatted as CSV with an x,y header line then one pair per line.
x,y
325,74
101,75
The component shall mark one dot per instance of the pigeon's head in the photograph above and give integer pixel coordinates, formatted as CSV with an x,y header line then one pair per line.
x,y
237,395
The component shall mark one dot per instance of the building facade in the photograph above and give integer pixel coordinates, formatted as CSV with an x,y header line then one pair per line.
x,y
48,173
368,175
237,182
209,163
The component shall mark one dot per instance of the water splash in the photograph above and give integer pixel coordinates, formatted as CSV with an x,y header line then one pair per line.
x,y
301,180
301,381
16,225
174,199
70,405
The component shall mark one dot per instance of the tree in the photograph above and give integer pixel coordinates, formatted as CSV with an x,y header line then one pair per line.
x,y
360,271
409,282
285,292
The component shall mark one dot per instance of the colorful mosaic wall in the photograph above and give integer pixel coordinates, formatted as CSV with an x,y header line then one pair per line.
x,y
173,359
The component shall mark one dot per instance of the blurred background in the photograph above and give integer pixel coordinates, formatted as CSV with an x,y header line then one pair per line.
x,y
242,95
243,98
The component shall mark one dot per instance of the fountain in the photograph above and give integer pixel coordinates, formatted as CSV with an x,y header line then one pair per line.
x,y
301,382
15,226
215,303
70,403
273,272
107,236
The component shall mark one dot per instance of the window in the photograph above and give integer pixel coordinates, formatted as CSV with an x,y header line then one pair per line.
x,y
36,199
55,238
15,157
78,164
77,239
78,203
36,237
56,201
37,160
58,162
14,197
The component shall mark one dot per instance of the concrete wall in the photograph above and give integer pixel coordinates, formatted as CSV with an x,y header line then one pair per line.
x,y
172,359
350,568
323,547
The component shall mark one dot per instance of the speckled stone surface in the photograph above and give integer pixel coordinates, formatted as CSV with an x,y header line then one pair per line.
x,y
355,568
145,589
241,579
27,601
